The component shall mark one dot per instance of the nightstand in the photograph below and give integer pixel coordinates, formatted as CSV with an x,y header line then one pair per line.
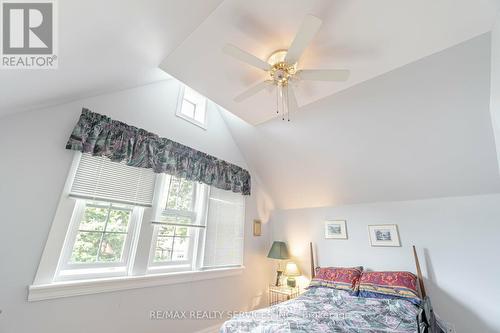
x,y
281,294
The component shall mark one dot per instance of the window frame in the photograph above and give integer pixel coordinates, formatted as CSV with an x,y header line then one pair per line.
x,y
48,282
196,231
73,271
178,265
197,106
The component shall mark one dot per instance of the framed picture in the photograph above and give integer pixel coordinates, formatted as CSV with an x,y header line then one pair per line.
x,y
335,229
257,227
384,235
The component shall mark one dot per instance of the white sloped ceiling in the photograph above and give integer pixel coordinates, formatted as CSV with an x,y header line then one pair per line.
x,y
423,130
104,46
368,37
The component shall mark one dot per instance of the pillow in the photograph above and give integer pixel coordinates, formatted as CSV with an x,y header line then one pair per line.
x,y
389,285
338,278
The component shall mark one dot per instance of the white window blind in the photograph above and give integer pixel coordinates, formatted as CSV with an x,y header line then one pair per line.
x,y
98,178
224,232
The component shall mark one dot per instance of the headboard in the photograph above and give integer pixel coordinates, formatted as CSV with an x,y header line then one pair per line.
x,y
417,264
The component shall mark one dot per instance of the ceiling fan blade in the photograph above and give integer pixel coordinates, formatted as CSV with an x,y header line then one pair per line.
x,y
252,91
245,57
324,74
307,30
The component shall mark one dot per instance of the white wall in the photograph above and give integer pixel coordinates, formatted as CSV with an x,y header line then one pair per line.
x,y
495,83
458,240
34,166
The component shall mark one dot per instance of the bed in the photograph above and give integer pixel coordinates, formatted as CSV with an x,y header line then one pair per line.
x,y
322,309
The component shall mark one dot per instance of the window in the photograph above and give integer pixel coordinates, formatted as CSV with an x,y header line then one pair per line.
x,y
174,238
127,221
101,234
192,106
99,241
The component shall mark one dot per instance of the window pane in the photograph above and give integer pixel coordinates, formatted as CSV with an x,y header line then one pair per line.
x,y
102,233
85,248
112,247
94,218
184,220
180,194
199,115
192,95
188,108
163,250
173,189
118,220
185,195
172,248
166,231
181,246
181,231
173,243
169,218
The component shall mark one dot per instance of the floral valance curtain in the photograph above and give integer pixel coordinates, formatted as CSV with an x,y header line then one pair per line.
x,y
101,136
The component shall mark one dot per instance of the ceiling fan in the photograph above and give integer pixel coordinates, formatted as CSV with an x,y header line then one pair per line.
x,y
281,68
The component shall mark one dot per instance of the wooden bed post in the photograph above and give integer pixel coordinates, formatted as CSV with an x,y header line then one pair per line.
x,y
313,273
419,274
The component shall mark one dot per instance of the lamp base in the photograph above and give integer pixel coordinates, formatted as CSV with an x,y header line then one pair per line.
x,y
278,278
291,282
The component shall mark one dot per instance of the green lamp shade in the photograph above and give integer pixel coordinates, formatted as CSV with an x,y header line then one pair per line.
x,y
278,251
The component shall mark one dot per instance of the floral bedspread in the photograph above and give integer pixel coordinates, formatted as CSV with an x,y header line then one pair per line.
x,y
321,310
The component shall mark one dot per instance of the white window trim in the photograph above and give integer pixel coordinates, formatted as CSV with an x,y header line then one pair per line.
x,y
199,204
172,265
178,111
139,275
68,271
103,285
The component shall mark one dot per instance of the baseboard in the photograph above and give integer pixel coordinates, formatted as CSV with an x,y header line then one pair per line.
x,y
211,329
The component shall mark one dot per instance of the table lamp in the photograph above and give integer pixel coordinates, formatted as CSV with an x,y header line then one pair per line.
x,y
278,251
291,271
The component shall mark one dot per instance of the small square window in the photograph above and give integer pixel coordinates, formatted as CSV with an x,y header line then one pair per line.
x,y
188,108
192,107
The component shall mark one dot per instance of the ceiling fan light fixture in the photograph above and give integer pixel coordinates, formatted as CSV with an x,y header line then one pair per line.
x,y
281,71
277,56
281,66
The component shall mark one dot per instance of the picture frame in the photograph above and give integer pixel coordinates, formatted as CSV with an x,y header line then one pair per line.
x,y
257,227
336,229
384,235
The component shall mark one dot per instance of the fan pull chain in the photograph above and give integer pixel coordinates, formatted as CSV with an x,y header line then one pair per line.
x,y
287,104
277,100
283,101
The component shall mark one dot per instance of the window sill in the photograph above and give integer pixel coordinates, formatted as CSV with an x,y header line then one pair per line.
x,y
95,286
192,121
